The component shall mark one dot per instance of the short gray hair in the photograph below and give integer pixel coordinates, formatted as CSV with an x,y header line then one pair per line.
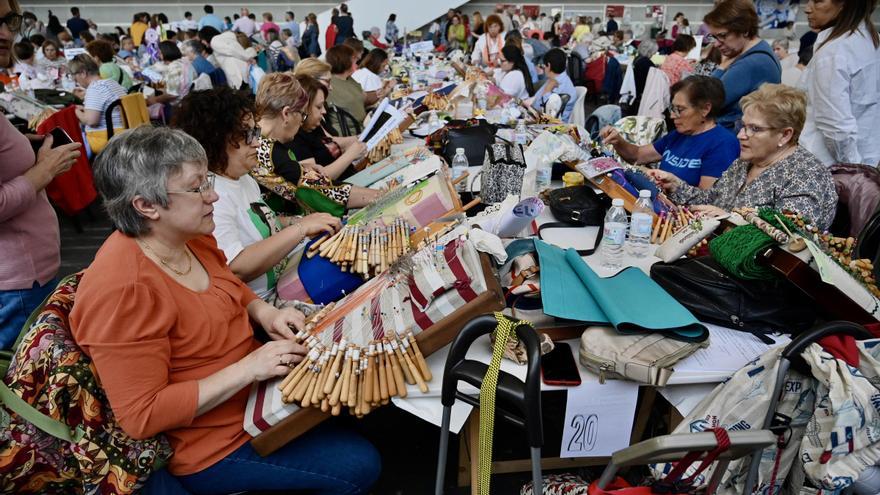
x,y
139,162
781,43
647,48
83,63
194,46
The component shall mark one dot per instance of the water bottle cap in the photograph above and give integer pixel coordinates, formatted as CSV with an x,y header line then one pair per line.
x,y
644,193
459,151
617,202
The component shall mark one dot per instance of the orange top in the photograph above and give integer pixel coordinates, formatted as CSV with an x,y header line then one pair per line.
x,y
152,339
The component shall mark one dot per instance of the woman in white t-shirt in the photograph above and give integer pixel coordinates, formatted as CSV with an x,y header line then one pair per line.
x,y
488,45
513,75
254,239
369,76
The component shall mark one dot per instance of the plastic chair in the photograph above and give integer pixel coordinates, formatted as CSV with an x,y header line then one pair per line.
x,y
108,116
791,357
579,113
511,392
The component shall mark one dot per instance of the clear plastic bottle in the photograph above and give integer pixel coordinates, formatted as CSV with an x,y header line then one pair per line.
x,y
613,235
459,167
542,174
521,134
639,240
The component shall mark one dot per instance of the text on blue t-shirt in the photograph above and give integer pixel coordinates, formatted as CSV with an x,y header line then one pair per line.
x,y
690,157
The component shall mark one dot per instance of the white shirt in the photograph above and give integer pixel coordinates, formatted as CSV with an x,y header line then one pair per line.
x,y
189,24
241,218
367,80
245,25
842,83
494,48
512,83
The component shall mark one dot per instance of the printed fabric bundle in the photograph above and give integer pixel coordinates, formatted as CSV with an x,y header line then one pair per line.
x,y
503,168
51,373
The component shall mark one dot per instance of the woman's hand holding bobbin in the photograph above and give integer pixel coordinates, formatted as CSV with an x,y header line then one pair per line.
x,y
272,359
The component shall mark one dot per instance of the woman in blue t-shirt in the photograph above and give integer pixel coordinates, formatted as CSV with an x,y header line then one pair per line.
x,y
698,151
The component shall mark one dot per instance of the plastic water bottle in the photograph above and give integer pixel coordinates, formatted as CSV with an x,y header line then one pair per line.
x,y
459,167
640,226
521,134
613,235
542,174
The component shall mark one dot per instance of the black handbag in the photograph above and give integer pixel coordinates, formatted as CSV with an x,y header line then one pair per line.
x,y
473,138
713,295
576,207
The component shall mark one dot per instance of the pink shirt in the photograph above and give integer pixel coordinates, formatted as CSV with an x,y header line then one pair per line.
x,y
267,26
675,65
29,240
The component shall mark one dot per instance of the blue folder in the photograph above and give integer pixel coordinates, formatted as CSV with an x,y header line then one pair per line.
x,y
630,301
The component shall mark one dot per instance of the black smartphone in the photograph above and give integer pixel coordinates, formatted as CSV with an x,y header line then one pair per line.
x,y
60,137
558,366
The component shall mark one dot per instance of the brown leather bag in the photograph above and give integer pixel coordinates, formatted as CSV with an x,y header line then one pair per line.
x,y
858,191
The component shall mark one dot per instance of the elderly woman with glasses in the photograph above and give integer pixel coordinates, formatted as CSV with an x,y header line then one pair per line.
x,y
168,327
772,170
698,151
284,107
748,61
255,240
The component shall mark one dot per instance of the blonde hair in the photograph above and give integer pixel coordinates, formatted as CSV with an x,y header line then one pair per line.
x,y
312,67
278,90
781,106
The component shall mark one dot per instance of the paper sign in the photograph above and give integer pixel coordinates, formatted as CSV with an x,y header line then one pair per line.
x,y
71,53
598,418
384,120
823,262
422,46
695,53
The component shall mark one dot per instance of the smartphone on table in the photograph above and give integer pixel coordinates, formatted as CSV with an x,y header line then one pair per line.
x,y
558,366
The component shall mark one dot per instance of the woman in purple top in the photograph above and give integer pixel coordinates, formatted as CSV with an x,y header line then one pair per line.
x,y
29,240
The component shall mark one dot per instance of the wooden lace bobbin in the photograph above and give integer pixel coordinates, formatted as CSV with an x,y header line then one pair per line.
x,y
326,245
407,374
389,373
335,410
330,247
408,352
395,369
352,245
290,376
797,244
420,359
340,382
325,405
313,379
318,394
337,246
298,375
334,368
344,246
300,390
383,377
666,228
363,266
658,227
353,381
313,249
423,386
376,399
368,375
362,393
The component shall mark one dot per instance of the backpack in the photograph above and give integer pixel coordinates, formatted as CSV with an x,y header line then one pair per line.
x,y
59,434
575,68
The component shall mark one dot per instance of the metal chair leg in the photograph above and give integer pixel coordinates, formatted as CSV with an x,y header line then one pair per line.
x,y
443,451
537,480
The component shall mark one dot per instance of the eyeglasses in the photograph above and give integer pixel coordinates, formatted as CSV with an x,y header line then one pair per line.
x,y
204,189
750,130
675,110
717,38
12,21
252,134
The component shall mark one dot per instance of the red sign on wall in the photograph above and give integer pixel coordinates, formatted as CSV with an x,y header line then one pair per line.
x,y
614,10
531,10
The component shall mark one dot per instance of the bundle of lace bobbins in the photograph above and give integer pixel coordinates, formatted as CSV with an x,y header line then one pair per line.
x,y
383,149
668,222
342,373
365,249
436,102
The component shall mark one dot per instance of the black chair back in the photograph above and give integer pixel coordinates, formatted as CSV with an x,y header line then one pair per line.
x,y
108,116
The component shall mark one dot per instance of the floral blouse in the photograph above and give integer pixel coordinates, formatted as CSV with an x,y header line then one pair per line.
x,y
799,182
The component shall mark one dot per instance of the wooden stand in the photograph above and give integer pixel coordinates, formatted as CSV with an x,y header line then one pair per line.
x,y
430,340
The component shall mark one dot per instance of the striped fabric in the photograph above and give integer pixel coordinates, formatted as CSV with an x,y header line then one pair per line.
x,y
99,95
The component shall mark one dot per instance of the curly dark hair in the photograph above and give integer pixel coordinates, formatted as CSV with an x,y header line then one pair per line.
x,y
215,117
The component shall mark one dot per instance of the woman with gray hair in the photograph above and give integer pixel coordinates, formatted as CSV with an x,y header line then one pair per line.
x,y
194,51
641,66
167,324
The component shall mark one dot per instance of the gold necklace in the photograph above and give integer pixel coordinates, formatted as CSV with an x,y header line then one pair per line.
x,y
165,263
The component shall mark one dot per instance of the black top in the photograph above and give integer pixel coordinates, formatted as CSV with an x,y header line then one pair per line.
x,y
314,144
611,27
284,162
641,67
344,28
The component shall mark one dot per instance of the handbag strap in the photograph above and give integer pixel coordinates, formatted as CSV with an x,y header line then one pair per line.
x,y
45,423
671,483
564,225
